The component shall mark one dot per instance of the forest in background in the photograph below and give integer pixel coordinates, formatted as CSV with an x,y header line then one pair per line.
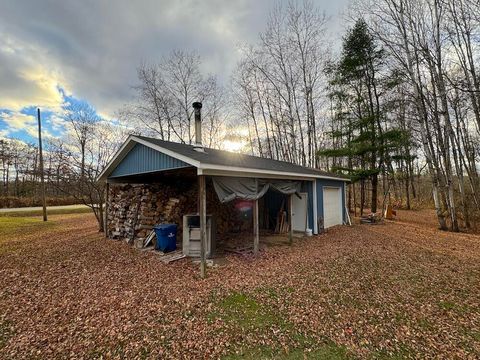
x,y
395,107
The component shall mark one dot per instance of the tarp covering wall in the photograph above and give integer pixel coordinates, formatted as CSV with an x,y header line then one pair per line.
x,y
230,188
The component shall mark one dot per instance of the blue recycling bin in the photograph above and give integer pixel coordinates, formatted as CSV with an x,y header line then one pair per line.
x,y
166,237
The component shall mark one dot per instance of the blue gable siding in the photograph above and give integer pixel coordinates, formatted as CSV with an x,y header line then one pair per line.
x,y
307,187
142,159
332,183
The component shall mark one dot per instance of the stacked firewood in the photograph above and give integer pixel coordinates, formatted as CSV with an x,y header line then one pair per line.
x,y
134,209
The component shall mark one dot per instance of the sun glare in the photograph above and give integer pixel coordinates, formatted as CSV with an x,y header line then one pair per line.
x,y
234,146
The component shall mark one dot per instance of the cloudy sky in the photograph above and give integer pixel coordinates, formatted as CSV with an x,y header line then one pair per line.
x,y
54,51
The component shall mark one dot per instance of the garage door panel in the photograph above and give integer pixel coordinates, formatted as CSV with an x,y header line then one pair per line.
x,y
332,206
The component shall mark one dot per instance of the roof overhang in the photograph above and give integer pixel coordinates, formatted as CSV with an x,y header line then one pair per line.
x,y
218,170
205,168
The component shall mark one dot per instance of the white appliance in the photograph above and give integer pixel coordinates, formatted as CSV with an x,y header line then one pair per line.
x,y
191,236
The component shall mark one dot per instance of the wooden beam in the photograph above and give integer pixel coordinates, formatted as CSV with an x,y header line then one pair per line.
x,y
256,239
290,227
203,222
105,222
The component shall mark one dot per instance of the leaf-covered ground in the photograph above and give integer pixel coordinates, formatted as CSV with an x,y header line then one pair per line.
x,y
400,290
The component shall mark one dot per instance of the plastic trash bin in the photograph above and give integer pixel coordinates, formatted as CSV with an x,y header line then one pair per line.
x,y
166,237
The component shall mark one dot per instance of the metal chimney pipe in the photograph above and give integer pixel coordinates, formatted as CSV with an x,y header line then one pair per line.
x,y
197,106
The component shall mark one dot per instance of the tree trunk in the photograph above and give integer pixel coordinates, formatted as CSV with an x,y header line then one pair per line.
x,y
374,193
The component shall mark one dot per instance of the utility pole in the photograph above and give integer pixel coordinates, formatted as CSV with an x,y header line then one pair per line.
x,y
40,155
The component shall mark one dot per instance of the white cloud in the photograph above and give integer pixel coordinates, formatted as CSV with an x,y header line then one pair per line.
x,y
56,123
4,133
16,122
23,80
93,49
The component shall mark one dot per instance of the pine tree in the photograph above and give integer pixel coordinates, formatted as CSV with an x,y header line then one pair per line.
x,y
357,86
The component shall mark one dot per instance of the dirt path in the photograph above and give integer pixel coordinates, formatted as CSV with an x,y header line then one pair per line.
x,y
399,290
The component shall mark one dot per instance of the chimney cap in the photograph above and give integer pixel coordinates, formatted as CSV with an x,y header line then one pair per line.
x,y
197,105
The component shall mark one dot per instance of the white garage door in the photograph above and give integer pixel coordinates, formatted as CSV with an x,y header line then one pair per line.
x,y
332,206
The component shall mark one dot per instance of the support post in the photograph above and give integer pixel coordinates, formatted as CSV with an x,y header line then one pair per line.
x,y
290,227
105,222
203,222
256,239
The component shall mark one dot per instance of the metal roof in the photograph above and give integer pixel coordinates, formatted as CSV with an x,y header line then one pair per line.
x,y
220,160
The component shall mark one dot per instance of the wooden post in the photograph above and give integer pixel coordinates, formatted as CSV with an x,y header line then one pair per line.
x,y
256,238
203,222
290,227
40,154
105,222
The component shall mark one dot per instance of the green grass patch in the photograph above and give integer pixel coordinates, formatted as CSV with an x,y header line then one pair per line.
x,y
475,335
15,225
447,305
403,352
472,334
451,306
330,351
245,312
327,351
15,230
426,325
28,213
6,331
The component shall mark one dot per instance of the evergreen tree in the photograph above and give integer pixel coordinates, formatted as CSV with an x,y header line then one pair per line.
x,y
358,93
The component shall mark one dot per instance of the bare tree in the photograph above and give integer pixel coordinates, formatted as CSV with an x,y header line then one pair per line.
x,y
165,94
278,84
432,43
80,160
82,119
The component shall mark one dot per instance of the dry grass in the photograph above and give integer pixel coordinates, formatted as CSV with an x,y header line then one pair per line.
x,y
400,290
71,209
